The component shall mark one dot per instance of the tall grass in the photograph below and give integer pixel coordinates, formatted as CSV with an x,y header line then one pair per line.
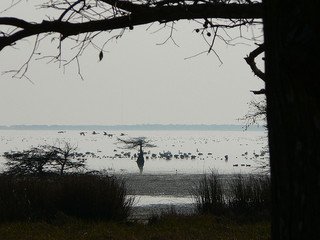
x,y
249,193
92,197
240,195
209,195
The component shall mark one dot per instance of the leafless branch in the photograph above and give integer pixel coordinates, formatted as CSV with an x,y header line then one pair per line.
x,y
170,36
161,14
21,72
198,54
84,17
251,61
257,112
13,3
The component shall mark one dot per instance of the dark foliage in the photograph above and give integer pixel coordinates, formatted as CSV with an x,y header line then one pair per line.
x,y
33,161
91,197
44,159
243,196
209,195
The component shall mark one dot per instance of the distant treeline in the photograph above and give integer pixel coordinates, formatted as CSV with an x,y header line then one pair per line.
x,y
148,127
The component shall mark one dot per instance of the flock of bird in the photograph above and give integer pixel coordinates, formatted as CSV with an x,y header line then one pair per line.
x,y
116,153
167,155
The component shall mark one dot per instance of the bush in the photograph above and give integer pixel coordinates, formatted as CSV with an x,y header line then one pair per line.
x,y
240,195
43,160
83,196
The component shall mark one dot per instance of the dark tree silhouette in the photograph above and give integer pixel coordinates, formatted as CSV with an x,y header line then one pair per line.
x,y
292,52
84,16
34,161
140,160
82,21
66,158
43,159
293,100
139,142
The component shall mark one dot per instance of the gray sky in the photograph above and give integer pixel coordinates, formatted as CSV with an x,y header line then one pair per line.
x,y
139,81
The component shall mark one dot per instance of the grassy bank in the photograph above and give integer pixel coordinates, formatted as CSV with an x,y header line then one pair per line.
x,y
168,227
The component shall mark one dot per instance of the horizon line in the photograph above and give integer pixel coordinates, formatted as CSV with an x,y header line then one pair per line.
x,y
133,127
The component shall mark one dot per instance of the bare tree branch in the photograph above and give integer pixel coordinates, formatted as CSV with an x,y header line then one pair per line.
x,y
156,13
257,92
68,9
257,112
13,3
250,60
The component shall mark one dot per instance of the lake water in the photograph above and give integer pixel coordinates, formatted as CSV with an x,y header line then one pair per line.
x,y
163,181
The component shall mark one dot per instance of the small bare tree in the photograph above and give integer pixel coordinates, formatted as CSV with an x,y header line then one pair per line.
x,y
138,142
65,157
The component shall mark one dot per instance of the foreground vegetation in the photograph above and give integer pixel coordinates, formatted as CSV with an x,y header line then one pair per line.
x,y
169,227
245,197
47,198
87,206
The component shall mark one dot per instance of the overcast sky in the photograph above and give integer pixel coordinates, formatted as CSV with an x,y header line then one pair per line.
x,y
139,81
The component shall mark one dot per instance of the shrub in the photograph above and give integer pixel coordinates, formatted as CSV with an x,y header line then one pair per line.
x,y
83,196
241,195
44,159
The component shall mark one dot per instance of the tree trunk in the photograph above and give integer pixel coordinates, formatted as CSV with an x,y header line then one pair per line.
x,y
293,108
62,168
140,160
